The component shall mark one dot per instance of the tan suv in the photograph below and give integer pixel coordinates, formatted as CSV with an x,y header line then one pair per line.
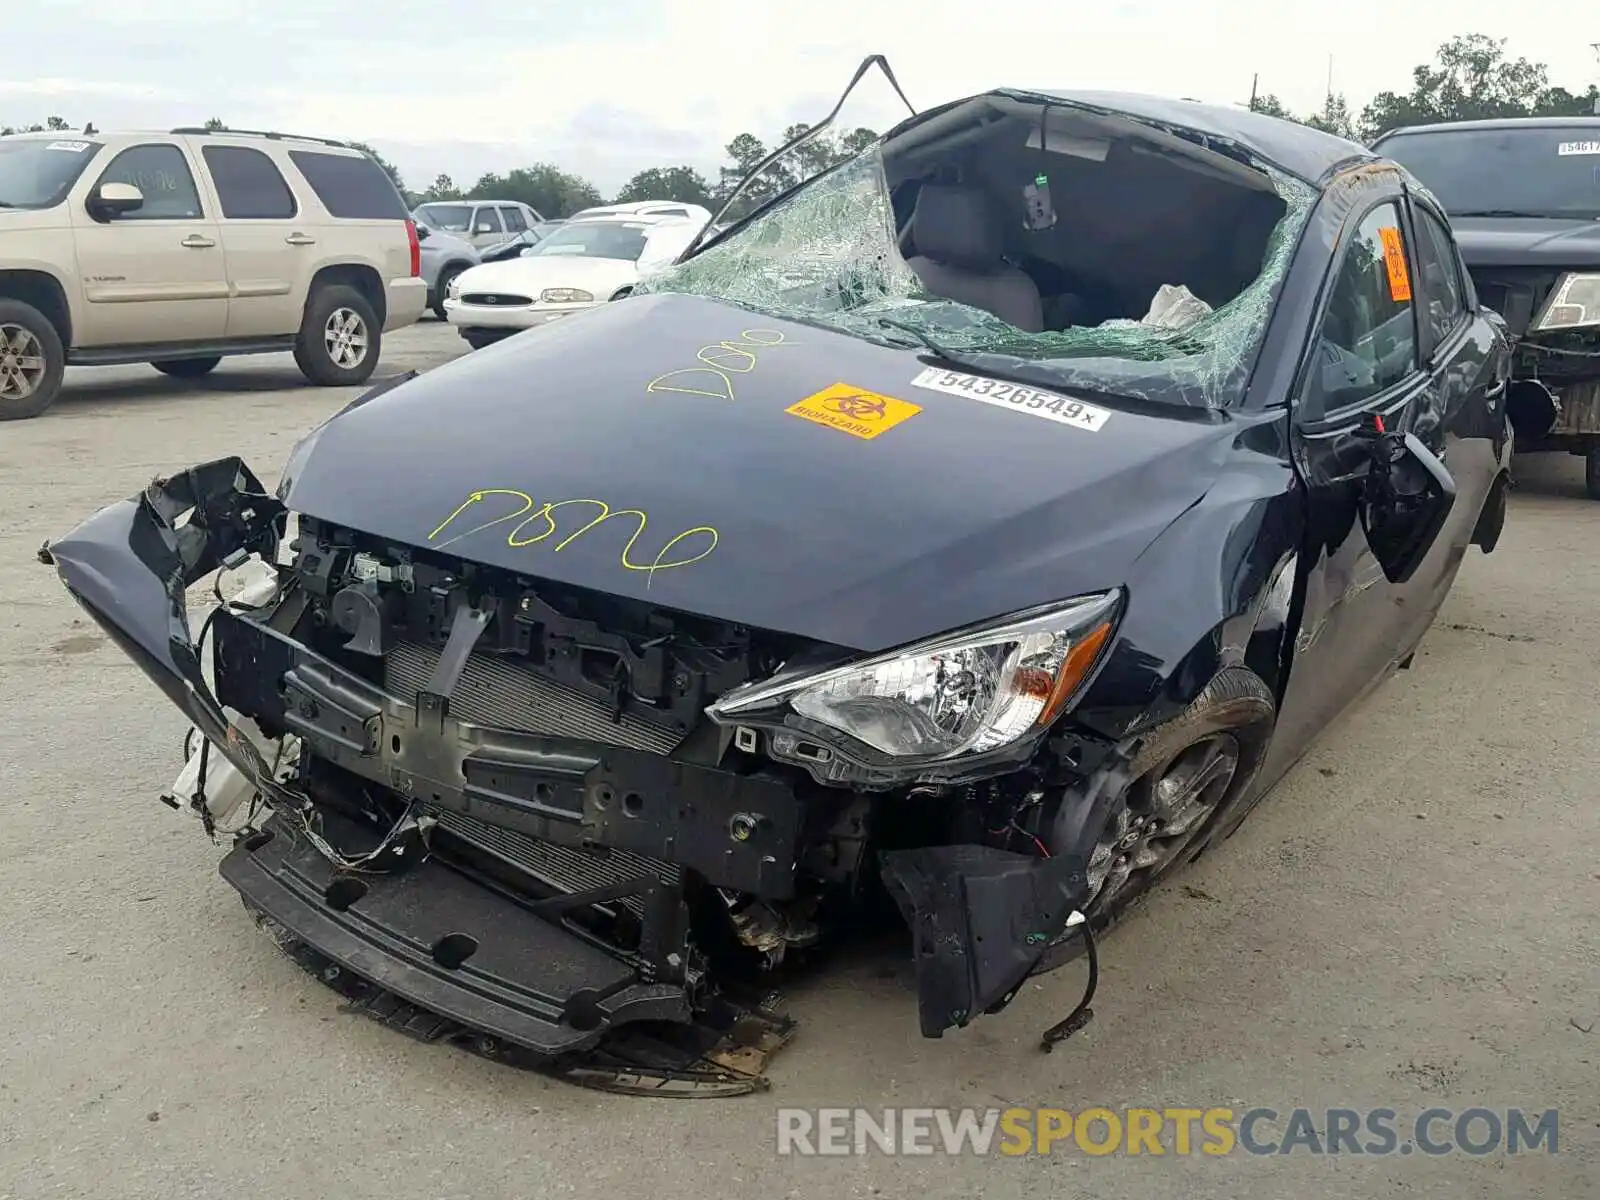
x,y
181,248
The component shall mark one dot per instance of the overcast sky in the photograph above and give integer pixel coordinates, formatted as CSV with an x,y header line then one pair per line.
x,y
607,87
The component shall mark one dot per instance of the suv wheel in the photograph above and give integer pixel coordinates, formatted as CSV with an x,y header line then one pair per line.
x,y
32,362
188,368
339,339
1591,473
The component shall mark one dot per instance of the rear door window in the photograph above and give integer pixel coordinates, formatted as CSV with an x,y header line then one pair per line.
x,y
514,221
351,187
487,215
160,170
1439,265
248,184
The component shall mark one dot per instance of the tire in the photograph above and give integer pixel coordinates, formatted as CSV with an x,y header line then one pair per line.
x,y
478,341
441,289
1591,473
32,361
340,338
188,368
1229,725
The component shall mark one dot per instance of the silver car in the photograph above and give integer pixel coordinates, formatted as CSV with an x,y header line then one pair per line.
x,y
481,222
444,256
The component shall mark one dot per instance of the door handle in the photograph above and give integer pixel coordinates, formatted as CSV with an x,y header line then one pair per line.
x,y
300,239
197,241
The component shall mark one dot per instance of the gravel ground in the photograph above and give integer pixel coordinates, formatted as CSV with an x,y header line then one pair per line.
x,y
1408,922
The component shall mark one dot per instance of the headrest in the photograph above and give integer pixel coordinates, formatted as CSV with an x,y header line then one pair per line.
x,y
956,224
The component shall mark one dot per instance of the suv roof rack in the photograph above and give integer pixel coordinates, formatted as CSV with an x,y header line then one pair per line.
x,y
202,131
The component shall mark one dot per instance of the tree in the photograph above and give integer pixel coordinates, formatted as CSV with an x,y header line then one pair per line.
x,y
1471,79
745,151
1334,118
51,125
1271,106
543,186
215,125
442,188
683,184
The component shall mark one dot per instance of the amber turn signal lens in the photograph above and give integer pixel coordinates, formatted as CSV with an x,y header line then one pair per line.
x,y
1080,659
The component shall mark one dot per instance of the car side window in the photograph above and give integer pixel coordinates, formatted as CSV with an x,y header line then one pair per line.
x,y
486,216
161,172
1438,265
514,221
1367,341
249,185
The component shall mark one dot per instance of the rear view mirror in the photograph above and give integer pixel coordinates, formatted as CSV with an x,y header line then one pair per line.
x,y
422,233
485,227
1407,497
114,199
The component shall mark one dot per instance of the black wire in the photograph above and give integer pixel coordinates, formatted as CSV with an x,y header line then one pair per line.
x,y
1083,1014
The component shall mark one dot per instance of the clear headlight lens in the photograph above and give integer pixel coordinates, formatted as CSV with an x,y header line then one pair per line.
x,y
1574,304
961,694
566,296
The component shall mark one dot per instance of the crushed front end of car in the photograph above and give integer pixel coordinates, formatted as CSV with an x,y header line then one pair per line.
x,y
562,826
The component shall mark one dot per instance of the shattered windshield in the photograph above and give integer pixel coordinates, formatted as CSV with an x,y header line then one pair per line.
x,y
828,255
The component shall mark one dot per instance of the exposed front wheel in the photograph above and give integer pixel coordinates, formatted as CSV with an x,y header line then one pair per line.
x,y
1182,791
32,361
188,368
340,338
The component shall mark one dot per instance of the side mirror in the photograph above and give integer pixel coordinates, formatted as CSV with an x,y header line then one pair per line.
x,y
423,233
114,199
1405,501
485,227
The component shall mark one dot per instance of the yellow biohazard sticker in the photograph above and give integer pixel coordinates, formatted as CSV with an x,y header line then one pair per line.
x,y
854,410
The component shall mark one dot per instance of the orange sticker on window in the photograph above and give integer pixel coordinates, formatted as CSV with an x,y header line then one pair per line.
x,y
1394,259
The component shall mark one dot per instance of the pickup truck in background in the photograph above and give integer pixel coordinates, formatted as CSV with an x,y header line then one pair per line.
x,y
1523,198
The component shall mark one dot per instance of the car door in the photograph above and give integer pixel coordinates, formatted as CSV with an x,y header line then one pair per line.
x,y
155,275
1364,373
268,250
487,228
1464,412
515,223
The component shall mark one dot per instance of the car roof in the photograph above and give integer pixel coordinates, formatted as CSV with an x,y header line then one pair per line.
x,y
1298,149
1496,124
241,137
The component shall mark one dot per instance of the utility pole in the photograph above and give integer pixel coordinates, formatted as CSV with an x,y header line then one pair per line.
x,y
1595,46
1255,81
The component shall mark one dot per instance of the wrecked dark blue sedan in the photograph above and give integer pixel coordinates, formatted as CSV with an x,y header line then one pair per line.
x,y
967,537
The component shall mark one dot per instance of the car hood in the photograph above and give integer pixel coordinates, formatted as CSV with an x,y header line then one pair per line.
x,y
530,276
651,448
1560,242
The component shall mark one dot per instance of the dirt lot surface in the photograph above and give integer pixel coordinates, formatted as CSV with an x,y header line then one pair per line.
x,y
1410,921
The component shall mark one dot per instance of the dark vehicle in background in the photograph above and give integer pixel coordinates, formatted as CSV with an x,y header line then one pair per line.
x,y
970,536
1523,197
526,240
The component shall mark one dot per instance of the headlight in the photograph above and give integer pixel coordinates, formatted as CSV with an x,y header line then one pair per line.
x,y
566,296
959,695
1574,303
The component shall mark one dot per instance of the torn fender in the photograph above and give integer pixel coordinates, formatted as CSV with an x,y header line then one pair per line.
x,y
131,564
981,919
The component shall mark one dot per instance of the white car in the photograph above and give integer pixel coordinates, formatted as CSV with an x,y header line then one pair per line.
x,y
581,264
646,208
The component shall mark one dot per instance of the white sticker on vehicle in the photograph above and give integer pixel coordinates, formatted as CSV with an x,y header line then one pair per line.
x,y
1052,406
1578,148
73,147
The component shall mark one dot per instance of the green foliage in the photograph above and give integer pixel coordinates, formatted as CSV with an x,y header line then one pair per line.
x,y
543,186
683,184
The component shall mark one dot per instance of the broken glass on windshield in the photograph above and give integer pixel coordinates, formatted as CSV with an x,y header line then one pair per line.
x,y
831,254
